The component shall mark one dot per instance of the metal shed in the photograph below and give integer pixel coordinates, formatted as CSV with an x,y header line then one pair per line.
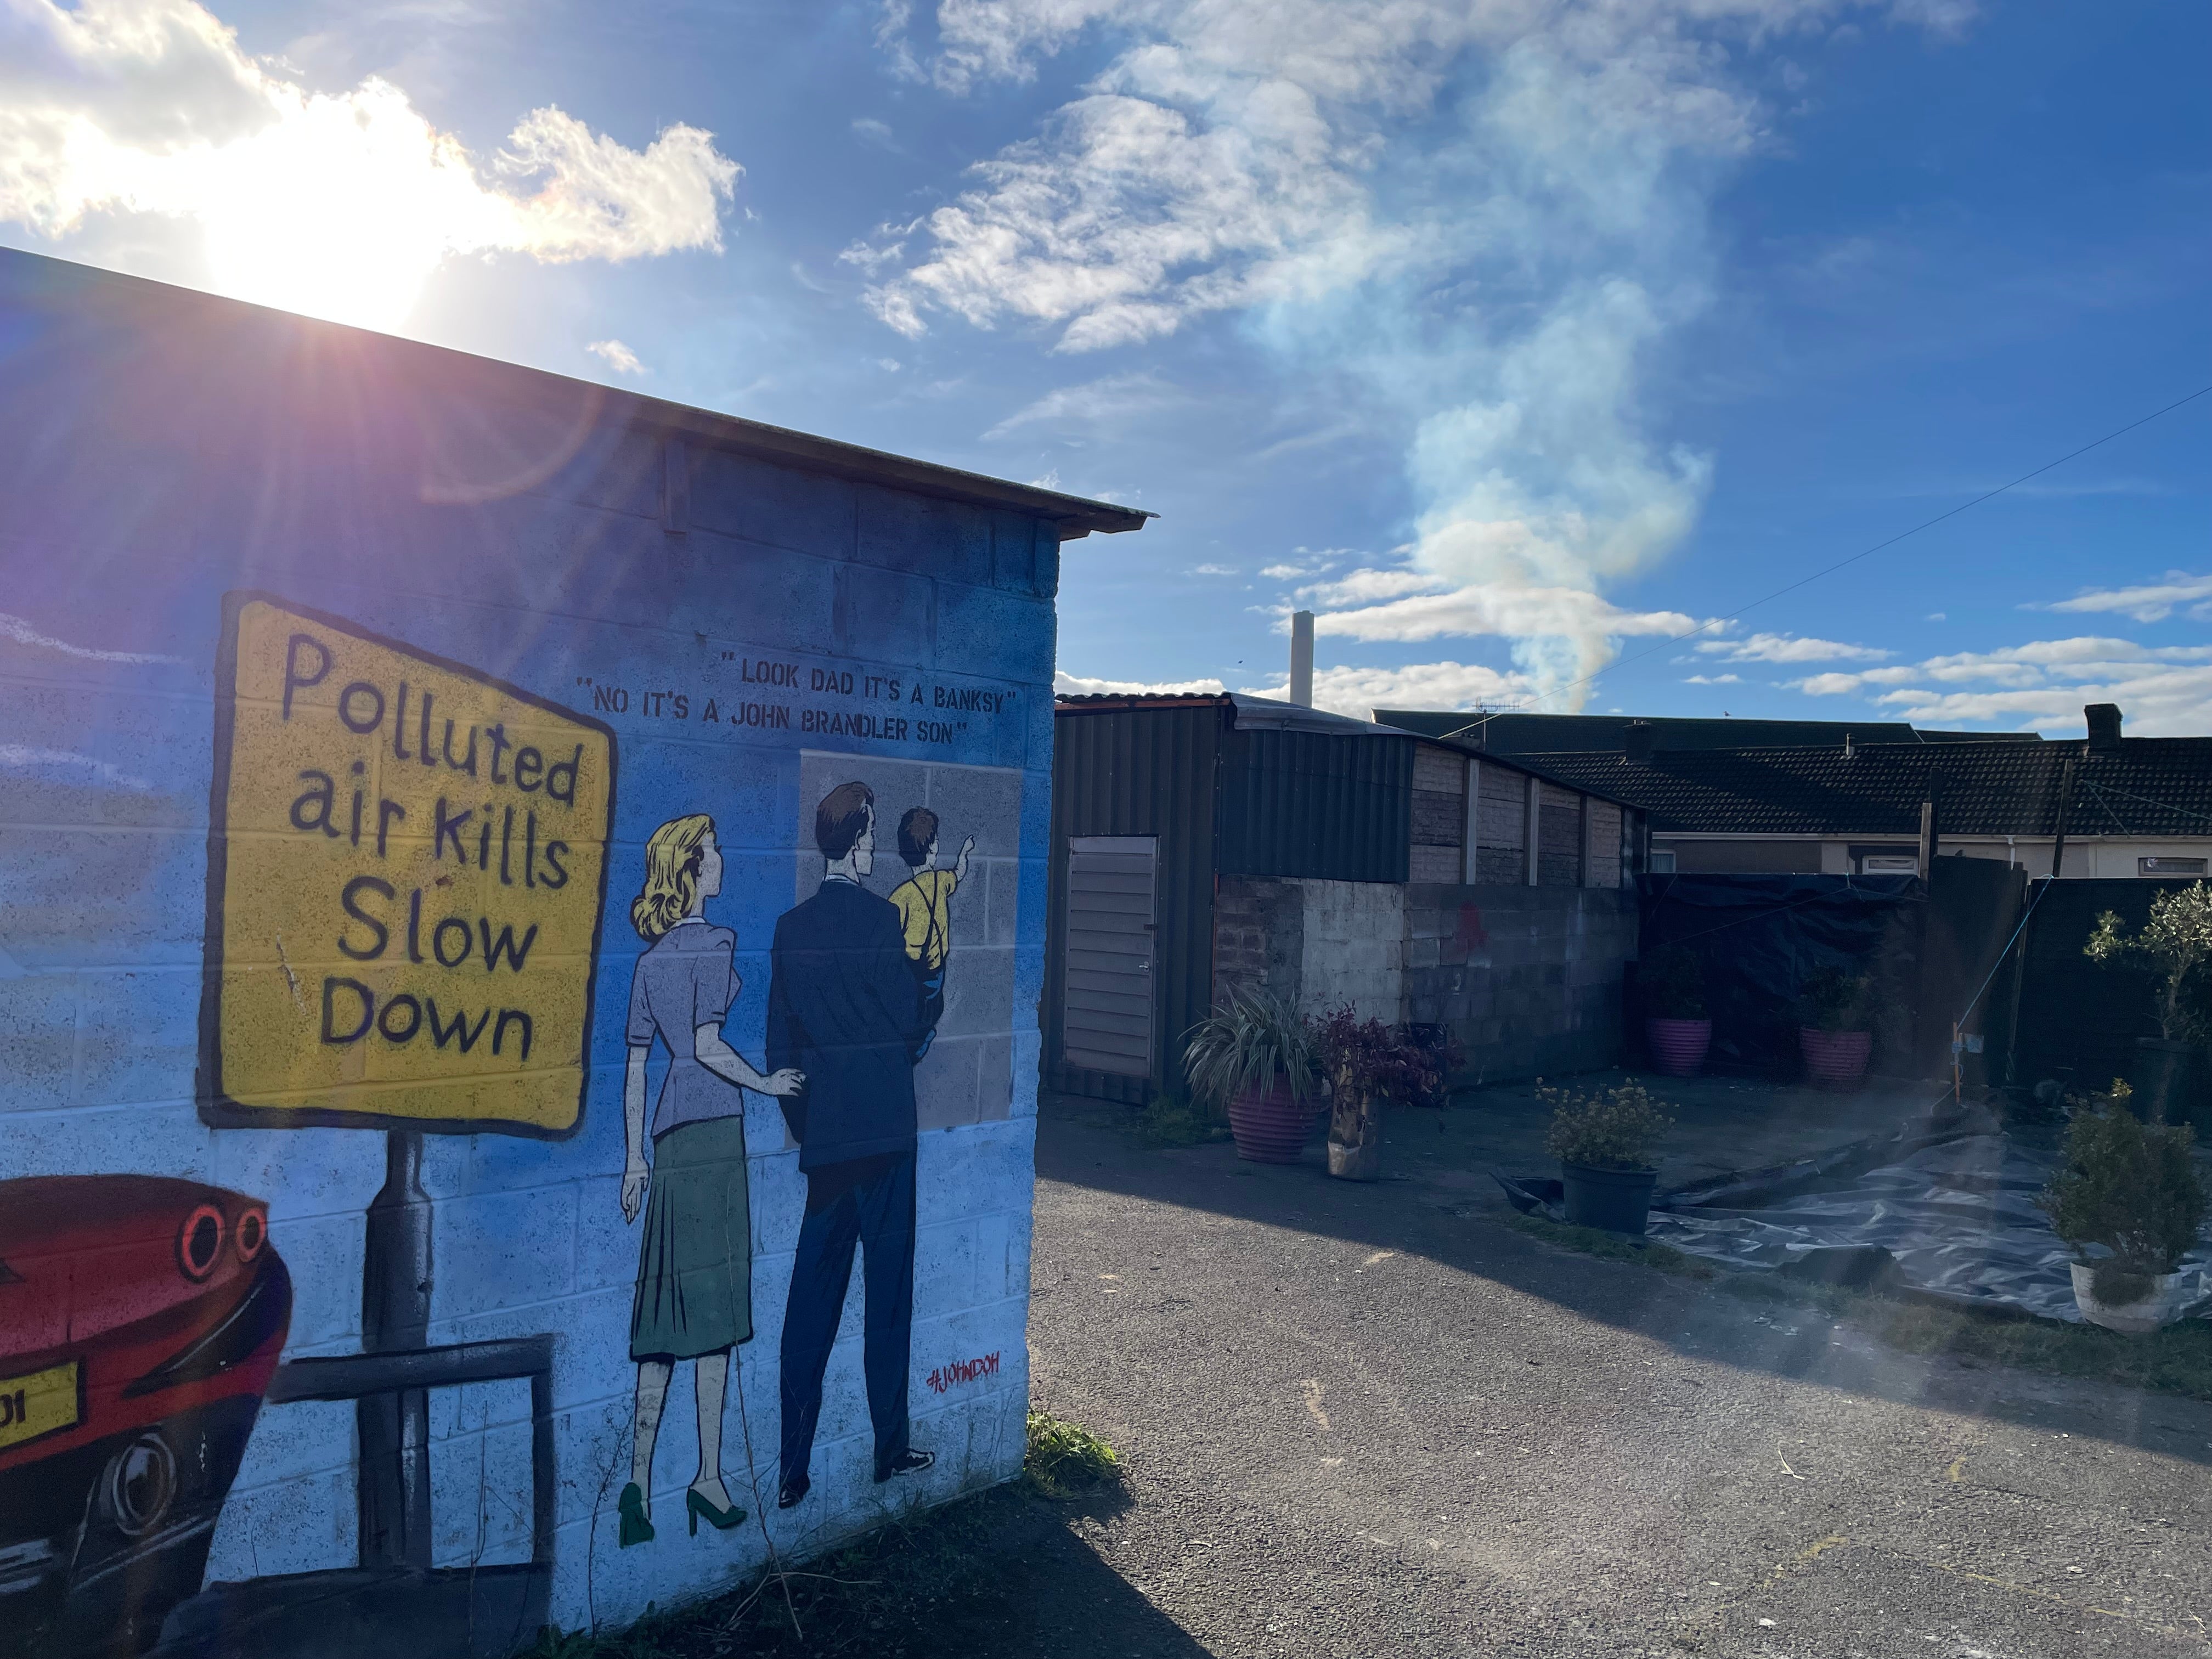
x,y
1158,802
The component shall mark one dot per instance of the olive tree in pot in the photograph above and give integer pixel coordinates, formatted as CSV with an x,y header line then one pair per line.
x,y
1677,1028
2130,1190
1607,1144
2170,1080
1835,1027
1255,1057
1368,1063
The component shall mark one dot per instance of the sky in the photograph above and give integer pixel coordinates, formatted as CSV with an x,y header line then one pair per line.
x,y
1516,339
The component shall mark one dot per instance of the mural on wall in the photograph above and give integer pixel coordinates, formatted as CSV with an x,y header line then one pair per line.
x,y
140,1321
407,861
404,879
695,1265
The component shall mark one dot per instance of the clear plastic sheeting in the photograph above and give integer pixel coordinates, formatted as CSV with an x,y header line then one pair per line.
x,y
1945,1209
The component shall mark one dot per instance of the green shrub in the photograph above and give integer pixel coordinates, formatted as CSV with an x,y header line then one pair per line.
x,y
1172,1119
1834,1001
2130,1187
1616,1128
2178,938
1064,1459
1673,982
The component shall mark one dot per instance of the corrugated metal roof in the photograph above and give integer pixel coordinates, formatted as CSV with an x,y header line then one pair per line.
x,y
2147,787
1518,734
34,276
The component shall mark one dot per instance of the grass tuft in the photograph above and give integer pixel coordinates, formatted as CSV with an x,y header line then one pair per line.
x,y
1176,1120
1064,1459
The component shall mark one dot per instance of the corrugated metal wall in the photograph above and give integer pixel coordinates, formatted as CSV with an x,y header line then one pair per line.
x,y
1308,804
1139,772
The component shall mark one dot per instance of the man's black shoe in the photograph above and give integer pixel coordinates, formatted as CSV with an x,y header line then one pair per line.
x,y
793,1491
907,1462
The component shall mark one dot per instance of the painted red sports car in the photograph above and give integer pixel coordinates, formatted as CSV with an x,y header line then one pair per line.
x,y
140,1320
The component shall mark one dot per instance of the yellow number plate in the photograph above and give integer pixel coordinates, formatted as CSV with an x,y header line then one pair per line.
x,y
38,1404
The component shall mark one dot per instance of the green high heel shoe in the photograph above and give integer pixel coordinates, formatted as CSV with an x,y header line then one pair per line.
x,y
635,1527
720,1520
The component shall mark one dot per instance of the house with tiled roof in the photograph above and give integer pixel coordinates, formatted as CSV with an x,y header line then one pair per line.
x,y
2104,805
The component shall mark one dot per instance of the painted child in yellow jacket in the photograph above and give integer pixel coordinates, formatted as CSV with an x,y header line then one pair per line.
x,y
925,908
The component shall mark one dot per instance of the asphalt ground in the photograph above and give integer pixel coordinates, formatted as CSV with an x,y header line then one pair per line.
x,y
1374,1420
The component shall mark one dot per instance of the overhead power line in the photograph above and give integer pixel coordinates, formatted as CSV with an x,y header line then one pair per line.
x,y
1830,569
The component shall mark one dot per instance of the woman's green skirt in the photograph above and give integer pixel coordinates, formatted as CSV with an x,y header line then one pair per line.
x,y
695,1270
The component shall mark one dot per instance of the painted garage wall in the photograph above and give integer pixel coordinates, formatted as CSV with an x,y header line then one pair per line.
x,y
247,925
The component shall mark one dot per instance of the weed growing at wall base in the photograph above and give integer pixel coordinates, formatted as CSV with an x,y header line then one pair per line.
x,y
1064,1459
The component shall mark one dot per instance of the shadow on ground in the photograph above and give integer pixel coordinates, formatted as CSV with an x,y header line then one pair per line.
x,y
1437,1200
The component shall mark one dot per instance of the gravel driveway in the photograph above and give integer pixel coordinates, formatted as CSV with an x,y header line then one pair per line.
x,y
1370,1420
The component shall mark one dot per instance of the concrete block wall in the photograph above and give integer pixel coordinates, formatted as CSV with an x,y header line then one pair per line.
x,y
1527,978
788,630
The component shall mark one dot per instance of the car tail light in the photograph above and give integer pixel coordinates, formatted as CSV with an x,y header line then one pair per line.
x,y
251,1233
199,1242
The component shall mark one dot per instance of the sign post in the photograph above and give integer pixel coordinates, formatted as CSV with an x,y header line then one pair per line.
x,y
406,876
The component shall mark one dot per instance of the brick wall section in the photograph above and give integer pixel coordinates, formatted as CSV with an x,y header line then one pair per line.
x,y
1258,935
1527,978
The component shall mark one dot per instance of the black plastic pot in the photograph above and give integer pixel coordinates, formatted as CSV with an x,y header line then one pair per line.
x,y
1617,1201
2169,1081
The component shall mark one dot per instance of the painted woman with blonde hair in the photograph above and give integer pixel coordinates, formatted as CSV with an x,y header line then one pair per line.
x,y
694,1262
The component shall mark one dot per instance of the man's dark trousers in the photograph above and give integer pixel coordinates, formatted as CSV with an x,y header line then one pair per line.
x,y
868,1202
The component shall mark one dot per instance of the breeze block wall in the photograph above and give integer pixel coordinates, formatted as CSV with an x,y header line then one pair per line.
x,y
343,684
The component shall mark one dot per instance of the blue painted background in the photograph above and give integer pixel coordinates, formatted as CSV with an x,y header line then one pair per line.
x,y
158,449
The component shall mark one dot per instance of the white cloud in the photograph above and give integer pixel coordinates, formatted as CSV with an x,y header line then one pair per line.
x,y
2165,690
23,633
1212,570
617,356
1788,647
340,205
1107,402
1712,679
1065,685
1358,691
1482,219
2149,603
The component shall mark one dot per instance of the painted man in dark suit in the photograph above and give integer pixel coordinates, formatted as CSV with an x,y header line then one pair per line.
x,y
844,1007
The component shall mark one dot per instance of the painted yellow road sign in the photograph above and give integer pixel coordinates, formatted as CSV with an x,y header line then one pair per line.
x,y
406,876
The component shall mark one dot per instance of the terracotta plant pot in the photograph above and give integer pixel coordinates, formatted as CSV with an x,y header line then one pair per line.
x,y
1267,1126
1835,1059
1678,1046
1617,1201
2170,1296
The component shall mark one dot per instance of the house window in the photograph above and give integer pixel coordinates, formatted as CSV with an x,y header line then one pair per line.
x,y
1889,864
2169,866
1662,861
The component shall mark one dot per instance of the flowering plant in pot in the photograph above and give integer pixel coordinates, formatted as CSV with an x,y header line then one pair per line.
x,y
1255,1057
1835,1026
1367,1063
1607,1142
2170,1067
2131,1190
1677,1028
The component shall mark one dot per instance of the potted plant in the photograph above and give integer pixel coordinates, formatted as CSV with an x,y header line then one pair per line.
x,y
1367,1063
1254,1057
1607,1145
1677,1028
1835,1027
2169,1069
2131,1190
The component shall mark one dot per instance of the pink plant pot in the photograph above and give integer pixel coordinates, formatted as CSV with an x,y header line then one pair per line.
x,y
1267,1126
1678,1046
1835,1059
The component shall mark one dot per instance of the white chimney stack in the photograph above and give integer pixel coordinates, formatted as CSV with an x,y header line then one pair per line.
x,y
1302,659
